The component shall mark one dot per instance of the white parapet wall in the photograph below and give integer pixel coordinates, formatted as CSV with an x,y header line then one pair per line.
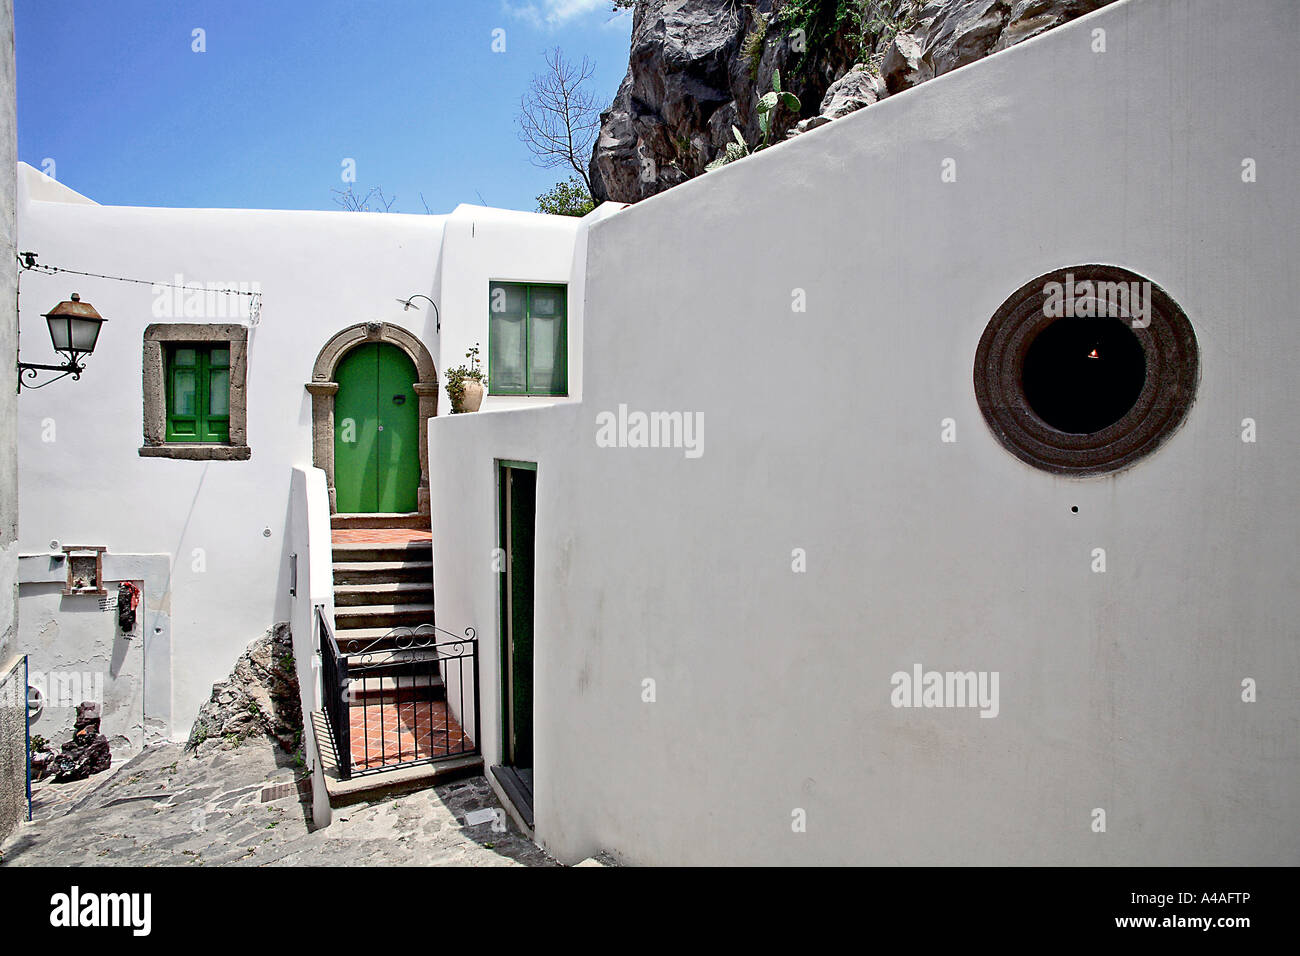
x,y
819,306
312,580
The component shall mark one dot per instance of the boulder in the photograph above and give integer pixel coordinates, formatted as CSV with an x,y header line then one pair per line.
x,y
855,89
259,699
859,87
1028,18
689,80
964,31
903,66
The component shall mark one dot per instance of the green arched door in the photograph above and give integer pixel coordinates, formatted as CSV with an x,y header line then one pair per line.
x,y
376,431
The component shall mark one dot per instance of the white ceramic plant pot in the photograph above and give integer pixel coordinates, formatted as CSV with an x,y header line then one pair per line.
x,y
472,397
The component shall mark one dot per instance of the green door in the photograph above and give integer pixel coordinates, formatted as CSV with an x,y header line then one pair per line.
x,y
518,520
376,431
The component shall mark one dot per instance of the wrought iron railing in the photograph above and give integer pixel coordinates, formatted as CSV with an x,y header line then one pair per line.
x,y
409,697
334,679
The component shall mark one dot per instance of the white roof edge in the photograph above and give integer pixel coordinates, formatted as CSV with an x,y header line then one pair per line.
x,y
467,210
605,210
43,188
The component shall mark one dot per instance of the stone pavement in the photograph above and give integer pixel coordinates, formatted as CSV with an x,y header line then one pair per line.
x,y
242,808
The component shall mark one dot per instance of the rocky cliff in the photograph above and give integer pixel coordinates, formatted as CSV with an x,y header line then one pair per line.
x,y
698,67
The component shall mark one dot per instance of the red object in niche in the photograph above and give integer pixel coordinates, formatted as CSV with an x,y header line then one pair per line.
x,y
128,599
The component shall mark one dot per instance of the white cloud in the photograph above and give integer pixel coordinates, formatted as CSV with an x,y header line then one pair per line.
x,y
548,14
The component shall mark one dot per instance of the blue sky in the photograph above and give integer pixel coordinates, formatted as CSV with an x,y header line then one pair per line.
x,y
287,90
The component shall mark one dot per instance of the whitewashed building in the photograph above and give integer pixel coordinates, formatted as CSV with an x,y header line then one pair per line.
x,y
726,629
192,503
792,543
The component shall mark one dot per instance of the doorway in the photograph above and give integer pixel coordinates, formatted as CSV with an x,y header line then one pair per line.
x,y
376,431
517,483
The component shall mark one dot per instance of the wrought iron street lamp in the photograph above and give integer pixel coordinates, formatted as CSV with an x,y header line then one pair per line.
x,y
74,330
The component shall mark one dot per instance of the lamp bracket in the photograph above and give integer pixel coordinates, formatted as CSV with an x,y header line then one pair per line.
x,y
29,369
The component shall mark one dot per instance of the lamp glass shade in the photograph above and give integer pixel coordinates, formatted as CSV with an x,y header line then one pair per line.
x,y
74,327
84,333
60,332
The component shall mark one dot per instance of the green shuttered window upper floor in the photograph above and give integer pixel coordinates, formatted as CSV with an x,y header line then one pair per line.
x,y
527,339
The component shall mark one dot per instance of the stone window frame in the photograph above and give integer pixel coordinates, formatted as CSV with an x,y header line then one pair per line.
x,y
156,337
324,386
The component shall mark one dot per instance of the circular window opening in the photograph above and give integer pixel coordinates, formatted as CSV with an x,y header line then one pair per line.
x,y
1085,370
1081,375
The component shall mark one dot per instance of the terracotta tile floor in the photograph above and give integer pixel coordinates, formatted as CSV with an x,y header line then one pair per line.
x,y
378,535
391,729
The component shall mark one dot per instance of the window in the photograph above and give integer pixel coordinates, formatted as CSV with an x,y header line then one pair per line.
x,y
194,392
1086,370
527,339
198,393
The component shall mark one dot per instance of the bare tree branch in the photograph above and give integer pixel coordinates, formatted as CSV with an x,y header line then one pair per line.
x,y
559,116
372,201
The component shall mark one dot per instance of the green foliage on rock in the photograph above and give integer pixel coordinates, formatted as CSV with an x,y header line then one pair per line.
x,y
869,23
752,46
768,104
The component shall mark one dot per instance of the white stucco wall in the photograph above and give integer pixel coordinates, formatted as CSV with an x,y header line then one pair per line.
x,y
481,245
77,651
319,272
310,546
1120,690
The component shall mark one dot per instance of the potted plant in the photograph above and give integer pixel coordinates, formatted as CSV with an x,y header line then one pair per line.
x,y
466,384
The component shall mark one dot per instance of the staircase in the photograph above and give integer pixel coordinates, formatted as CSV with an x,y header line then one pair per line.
x,y
395,696
383,580
383,577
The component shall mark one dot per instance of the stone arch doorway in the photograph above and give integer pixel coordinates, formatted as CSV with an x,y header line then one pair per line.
x,y
324,388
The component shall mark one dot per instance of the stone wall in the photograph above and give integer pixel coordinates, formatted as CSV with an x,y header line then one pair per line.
x,y
13,746
12,773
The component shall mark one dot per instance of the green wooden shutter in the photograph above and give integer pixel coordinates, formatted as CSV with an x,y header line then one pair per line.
x,y
183,394
527,339
547,358
507,338
198,394
217,406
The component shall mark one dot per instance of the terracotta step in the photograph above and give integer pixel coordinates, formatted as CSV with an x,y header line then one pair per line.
x,y
368,595
374,688
405,551
382,572
410,521
382,616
